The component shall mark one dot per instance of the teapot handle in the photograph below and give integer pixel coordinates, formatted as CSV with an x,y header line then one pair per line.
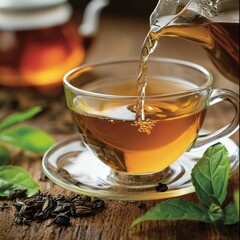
x,y
90,22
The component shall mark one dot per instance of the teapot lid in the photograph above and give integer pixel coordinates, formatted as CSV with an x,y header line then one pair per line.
x,y
28,4
35,19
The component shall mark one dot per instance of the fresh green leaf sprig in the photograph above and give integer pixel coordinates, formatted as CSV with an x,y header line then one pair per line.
x,y
23,136
210,179
13,177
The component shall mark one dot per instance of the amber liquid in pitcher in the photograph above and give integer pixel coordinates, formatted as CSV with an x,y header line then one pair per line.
x,y
110,131
220,39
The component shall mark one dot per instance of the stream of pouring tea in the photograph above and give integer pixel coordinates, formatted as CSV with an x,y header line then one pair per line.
x,y
148,47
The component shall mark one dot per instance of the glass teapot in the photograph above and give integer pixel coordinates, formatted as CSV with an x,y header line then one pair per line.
x,y
214,24
40,42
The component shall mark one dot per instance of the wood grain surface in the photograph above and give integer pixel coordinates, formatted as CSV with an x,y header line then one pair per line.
x,y
119,37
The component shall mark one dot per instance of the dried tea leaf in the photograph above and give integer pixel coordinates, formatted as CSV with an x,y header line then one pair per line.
x,y
42,206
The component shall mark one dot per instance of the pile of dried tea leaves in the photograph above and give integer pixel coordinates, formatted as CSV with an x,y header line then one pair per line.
x,y
60,209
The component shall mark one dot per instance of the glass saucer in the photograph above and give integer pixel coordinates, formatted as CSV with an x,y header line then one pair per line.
x,y
70,165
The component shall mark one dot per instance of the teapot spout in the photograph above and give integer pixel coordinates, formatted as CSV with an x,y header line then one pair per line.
x,y
167,10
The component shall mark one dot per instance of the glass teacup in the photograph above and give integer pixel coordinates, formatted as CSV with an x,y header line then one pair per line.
x,y
102,102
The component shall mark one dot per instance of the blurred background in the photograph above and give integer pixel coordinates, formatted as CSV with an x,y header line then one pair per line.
x,y
133,7
42,40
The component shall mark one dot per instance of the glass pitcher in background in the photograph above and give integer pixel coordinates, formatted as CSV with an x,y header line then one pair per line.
x,y
214,24
40,41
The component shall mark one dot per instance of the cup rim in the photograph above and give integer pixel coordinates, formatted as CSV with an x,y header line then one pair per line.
x,y
195,66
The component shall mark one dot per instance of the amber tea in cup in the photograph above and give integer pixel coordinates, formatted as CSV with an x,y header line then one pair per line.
x,y
102,100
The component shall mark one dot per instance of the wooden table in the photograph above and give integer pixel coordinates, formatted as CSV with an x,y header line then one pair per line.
x,y
119,37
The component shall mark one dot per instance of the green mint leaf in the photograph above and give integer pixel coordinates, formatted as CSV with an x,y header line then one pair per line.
x,y
216,214
13,177
210,175
27,138
236,200
4,155
231,214
175,209
19,117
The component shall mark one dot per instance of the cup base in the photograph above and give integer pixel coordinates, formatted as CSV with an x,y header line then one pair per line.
x,y
139,180
70,165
